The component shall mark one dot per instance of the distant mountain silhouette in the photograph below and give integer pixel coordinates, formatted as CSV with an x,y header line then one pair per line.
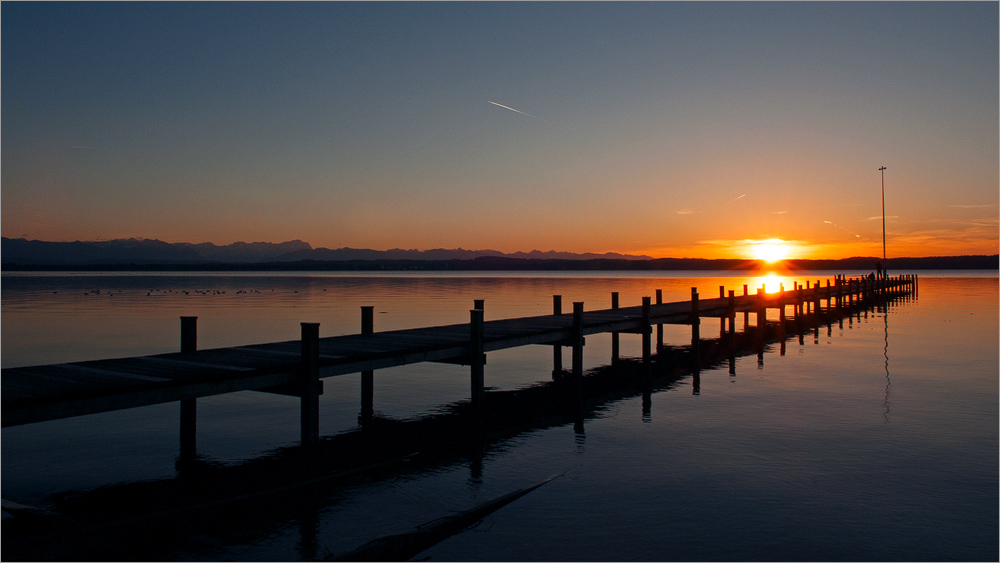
x,y
137,251
151,251
148,254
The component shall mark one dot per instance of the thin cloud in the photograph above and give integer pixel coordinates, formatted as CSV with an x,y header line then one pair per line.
x,y
685,212
841,228
974,206
518,111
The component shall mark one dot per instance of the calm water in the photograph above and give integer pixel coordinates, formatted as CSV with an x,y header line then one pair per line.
x,y
871,440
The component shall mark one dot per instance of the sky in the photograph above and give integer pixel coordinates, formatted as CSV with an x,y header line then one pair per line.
x,y
667,129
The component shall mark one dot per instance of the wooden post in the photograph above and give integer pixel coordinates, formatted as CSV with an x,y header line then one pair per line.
x,y
615,346
646,330
479,304
309,383
577,339
695,327
556,348
722,320
695,347
816,298
732,332
476,360
761,314
189,407
732,313
781,322
746,314
761,306
800,303
368,376
659,326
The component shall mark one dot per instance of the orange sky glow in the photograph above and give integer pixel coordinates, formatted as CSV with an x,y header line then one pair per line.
x,y
663,129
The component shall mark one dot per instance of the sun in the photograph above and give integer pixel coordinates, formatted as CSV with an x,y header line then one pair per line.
x,y
770,250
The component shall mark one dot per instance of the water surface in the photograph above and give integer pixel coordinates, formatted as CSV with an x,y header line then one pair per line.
x,y
874,439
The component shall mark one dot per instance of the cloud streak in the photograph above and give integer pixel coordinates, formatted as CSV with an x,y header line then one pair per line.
x,y
518,111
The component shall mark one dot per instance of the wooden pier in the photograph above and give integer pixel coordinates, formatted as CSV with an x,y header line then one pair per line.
x,y
48,392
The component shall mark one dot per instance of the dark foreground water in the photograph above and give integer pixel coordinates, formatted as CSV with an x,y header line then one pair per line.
x,y
871,438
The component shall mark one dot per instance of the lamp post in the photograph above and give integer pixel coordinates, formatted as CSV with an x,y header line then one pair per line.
x,y
884,262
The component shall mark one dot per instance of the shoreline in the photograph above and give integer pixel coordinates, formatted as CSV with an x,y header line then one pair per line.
x,y
977,262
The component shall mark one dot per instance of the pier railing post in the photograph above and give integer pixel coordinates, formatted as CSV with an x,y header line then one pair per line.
x,y
577,339
309,383
815,304
695,327
659,326
189,407
800,312
782,303
800,302
722,319
746,314
367,376
557,366
761,323
615,346
731,313
646,330
476,359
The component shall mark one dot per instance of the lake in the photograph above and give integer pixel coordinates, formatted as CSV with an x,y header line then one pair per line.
x,y
871,438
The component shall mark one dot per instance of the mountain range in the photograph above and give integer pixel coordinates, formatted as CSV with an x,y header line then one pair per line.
x,y
151,251
150,254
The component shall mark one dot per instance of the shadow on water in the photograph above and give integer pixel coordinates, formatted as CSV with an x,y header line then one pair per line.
x,y
210,504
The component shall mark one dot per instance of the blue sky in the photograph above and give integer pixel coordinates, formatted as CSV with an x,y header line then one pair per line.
x,y
673,129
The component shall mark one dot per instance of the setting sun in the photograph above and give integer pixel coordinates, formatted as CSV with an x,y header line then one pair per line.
x,y
770,250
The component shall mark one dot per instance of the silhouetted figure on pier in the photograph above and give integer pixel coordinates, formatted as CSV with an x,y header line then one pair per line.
x,y
878,269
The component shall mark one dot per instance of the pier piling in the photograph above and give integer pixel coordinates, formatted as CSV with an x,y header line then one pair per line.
x,y
646,330
614,335
577,339
309,383
476,357
695,328
557,366
659,326
189,407
367,376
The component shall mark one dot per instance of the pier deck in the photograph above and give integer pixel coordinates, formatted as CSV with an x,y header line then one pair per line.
x,y
47,392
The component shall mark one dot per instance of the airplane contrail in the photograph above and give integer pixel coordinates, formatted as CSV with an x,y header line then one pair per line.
x,y
517,110
741,197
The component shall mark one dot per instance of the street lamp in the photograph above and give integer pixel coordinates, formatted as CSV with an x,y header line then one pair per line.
x,y
884,262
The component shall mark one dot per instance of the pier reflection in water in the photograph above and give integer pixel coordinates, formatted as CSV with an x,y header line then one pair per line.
x,y
680,467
